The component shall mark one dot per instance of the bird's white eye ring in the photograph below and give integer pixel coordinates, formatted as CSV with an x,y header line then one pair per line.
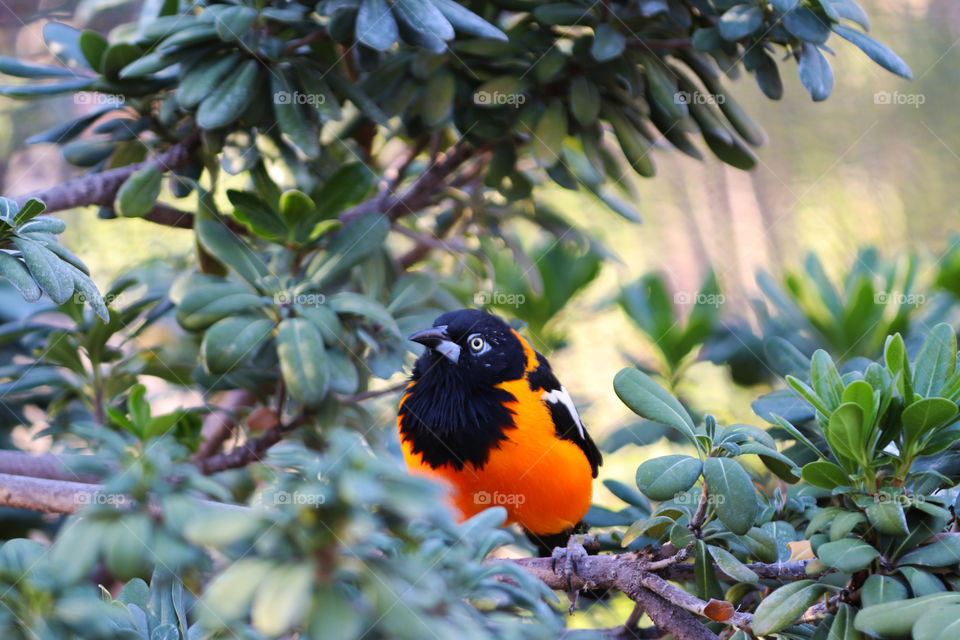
x,y
476,344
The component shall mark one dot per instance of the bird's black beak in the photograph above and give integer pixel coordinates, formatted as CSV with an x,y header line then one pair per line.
x,y
436,338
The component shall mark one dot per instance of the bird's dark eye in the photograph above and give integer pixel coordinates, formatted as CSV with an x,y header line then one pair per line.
x,y
477,344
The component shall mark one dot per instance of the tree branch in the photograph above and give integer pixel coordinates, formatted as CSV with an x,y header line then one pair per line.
x,y
252,450
101,188
417,195
49,466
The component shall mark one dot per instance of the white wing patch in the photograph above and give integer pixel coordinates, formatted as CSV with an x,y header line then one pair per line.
x,y
560,396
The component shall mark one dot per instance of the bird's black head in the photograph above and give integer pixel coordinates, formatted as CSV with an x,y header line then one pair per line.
x,y
479,346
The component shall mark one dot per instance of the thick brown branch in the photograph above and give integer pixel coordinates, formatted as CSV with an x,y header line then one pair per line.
x,y
42,494
252,450
50,466
101,188
60,496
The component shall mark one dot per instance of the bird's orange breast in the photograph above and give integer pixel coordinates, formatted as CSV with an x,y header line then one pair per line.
x,y
545,483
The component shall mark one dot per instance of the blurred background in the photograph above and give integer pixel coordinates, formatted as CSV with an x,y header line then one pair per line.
x,y
874,165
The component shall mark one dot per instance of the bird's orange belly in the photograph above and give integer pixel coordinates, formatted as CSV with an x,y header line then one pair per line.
x,y
545,483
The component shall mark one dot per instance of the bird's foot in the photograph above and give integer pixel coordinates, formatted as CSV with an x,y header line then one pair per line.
x,y
565,562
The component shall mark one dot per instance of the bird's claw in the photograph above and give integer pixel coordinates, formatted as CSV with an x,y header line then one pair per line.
x,y
564,562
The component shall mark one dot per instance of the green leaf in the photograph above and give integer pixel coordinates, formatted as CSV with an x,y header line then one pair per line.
x,y
231,250
782,607
635,146
63,41
729,564
845,430
356,304
27,91
648,399
708,586
824,474
826,379
943,552
93,45
256,215
740,21
232,341
138,194
921,582
351,245
47,269
546,140
205,305
233,22
291,115
438,99
18,275
466,21
607,43
228,596
878,589
940,624
20,69
584,100
231,98
664,477
886,621
282,599
815,72
426,26
375,26
197,82
925,415
807,25
876,51
935,361
117,56
847,555
303,360
735,499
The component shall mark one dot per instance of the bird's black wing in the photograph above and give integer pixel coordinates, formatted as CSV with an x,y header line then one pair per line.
x,y
565,417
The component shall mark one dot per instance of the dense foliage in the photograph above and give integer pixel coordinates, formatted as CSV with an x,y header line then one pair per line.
x,y
349,170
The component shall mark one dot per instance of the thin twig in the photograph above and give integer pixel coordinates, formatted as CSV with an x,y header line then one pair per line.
x,y
252,450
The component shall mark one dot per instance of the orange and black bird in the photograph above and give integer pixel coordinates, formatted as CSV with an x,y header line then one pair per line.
x,y
484,413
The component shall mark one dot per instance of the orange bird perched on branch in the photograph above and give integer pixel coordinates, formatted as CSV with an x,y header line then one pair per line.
x,y
484,414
